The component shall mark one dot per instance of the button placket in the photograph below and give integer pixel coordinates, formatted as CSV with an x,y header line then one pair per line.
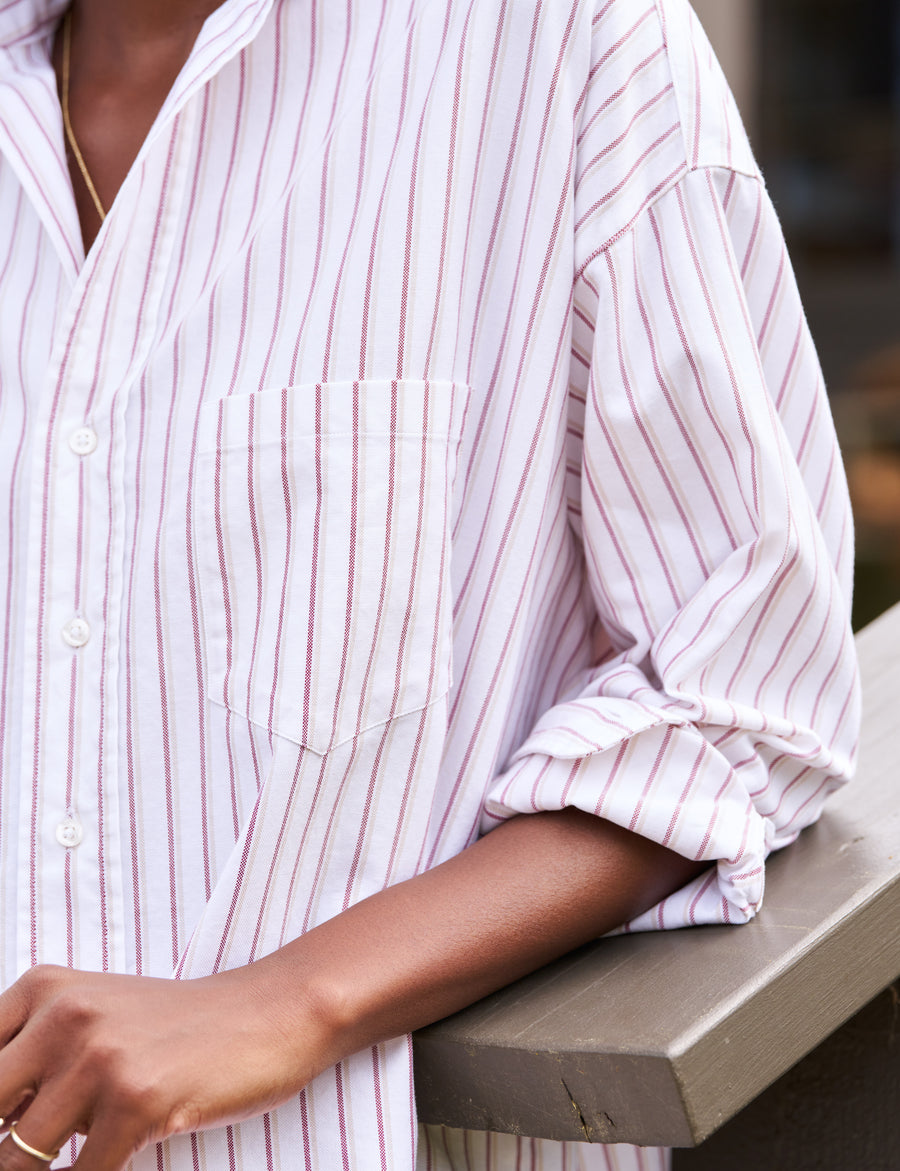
x,y
72,487
76,633
78,505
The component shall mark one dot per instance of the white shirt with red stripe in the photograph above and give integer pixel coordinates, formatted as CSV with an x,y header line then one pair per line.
x,y
432,434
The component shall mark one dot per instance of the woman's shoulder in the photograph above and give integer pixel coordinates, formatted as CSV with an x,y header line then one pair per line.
x,y
655,106
657,47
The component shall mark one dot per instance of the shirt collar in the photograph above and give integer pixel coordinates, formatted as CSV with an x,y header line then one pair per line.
x,y
226,30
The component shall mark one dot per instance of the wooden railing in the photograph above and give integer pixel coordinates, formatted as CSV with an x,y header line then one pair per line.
x,y
659,1039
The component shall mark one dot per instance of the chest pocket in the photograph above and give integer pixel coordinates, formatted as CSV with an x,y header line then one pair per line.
x,y
323,553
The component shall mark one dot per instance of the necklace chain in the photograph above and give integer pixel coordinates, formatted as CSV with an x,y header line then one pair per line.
x,y
70,133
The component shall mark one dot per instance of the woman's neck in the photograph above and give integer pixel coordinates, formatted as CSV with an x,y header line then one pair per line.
x,y
124,56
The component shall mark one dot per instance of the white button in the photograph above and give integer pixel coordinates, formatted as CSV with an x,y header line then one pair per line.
x,y
76,632
83,441
69,833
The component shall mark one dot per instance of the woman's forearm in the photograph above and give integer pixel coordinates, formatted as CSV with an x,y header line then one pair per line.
x,y
534,888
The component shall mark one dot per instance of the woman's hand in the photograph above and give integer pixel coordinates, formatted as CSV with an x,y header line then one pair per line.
x,y
130,1060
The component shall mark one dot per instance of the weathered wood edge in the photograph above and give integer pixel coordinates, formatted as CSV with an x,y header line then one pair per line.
x,y
804,1005
584,1051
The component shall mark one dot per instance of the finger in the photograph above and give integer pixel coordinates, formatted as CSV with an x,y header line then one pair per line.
x,y
19,1078
107,1148
19,1000
31,1154
45,1126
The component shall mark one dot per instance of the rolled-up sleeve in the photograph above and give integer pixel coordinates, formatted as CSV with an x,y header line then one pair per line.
x,y
717,539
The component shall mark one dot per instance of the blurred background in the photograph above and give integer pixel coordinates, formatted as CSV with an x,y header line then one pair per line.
x,y
818,83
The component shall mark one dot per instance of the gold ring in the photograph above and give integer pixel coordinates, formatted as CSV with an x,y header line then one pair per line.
x,y
23,1146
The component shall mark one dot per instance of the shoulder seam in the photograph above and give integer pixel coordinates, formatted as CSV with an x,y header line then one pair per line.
x,y
654,197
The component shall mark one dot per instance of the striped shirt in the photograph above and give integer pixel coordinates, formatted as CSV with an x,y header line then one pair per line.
x,y
432,434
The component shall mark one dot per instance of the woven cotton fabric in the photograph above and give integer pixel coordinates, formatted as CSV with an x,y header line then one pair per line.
x,y
431,435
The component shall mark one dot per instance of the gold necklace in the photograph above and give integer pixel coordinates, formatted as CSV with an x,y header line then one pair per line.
x,y
70,133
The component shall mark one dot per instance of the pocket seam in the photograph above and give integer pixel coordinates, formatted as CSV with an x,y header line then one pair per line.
x,y
322,752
